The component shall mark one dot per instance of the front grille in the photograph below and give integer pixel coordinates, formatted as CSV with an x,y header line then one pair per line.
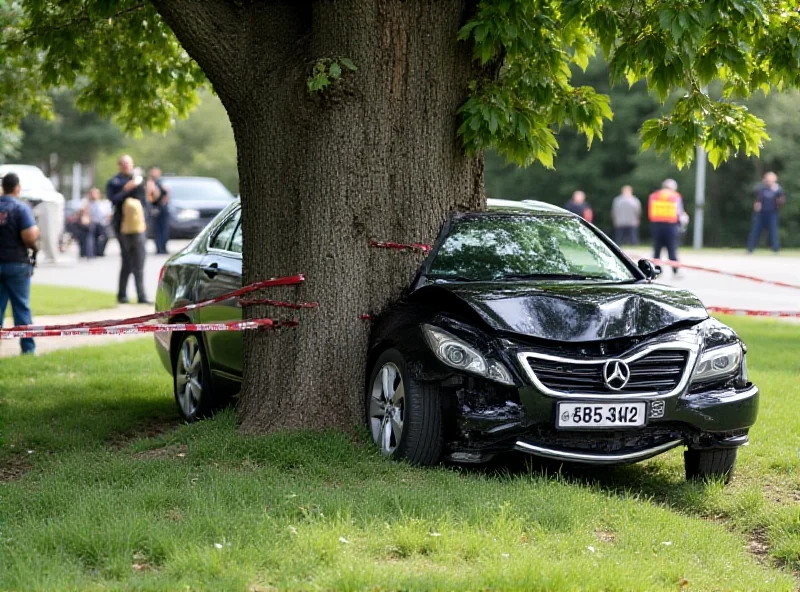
x,y
605,441
659,371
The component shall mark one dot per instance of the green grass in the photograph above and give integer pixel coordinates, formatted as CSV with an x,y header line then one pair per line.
x,y
56,300
204,507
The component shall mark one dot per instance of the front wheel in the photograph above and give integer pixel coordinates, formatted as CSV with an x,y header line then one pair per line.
x,y
403,414
713,463
193,389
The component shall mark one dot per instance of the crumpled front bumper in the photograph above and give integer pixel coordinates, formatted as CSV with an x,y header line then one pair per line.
x,y
711,419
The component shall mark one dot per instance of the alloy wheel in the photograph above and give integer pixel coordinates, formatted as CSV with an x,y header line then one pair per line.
x,y
387,408
189,376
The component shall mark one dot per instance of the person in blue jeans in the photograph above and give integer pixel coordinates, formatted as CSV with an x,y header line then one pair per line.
x,y
769,199
18,233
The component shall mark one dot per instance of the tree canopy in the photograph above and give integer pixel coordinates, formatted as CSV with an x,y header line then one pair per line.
x,y
73,135
131,67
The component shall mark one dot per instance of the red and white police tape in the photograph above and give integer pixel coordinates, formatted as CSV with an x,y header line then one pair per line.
x,y
400,246
780,314
139,328
142,324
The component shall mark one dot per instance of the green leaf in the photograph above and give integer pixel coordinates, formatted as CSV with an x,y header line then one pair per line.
x,y
348,63
335,70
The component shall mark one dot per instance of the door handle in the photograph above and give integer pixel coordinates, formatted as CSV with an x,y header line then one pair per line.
x,y
211,270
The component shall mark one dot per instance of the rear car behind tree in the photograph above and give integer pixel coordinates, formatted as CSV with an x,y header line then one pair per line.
x,y
194,203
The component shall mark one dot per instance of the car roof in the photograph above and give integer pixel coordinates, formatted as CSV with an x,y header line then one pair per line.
x,y
25,167
528,206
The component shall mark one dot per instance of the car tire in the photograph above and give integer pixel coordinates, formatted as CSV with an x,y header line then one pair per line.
x,y
417,412
194,392
712,463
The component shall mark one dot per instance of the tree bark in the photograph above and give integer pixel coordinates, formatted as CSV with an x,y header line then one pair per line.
x,y
374,157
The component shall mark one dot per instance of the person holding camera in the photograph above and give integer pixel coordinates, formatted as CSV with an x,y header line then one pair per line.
x,y
18,233
128,193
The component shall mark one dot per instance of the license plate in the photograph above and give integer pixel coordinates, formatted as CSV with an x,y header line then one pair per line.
x,y
600,415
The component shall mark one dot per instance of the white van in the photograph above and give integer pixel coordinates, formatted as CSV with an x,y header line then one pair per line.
x,y
47,204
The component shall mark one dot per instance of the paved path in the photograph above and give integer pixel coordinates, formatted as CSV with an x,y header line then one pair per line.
x,y
48,344
718,290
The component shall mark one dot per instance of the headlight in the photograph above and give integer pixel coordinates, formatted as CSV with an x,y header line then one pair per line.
x,y
186,215
718,362
456,353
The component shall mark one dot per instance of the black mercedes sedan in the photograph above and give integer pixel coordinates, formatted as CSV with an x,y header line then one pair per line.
x,y
525,329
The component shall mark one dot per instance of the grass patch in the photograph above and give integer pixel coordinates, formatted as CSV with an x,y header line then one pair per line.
x,y
204,507
56,300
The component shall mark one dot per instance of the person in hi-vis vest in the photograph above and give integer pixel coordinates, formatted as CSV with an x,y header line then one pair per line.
x,y
666,214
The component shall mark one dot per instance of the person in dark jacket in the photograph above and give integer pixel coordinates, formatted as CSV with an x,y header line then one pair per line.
x,y
18,233
122,186
158,196
578,205
769,199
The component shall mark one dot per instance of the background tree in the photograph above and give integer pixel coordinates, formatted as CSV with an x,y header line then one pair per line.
x,y
202,145
69,134
330,156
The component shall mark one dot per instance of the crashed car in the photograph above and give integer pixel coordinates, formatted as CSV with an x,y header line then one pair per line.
x,y
527,329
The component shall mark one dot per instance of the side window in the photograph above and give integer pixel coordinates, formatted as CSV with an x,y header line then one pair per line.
x,y
224,233
236,242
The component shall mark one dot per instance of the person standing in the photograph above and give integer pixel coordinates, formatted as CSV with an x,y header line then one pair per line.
x,y
94,219
128,194
158,197
18,233
666,214
626,213
578,205
769,199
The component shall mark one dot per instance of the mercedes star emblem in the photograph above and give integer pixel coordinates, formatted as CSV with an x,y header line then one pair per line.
x,y
616,374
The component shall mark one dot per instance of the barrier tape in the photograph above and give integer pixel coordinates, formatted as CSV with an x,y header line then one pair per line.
x,y
273,282
278,303
784,314
133,329
400,246
666,262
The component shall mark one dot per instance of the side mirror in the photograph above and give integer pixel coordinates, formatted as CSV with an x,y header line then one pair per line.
x,y
650,270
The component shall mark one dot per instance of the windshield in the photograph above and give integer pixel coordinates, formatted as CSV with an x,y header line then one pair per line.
x,y
485,248
30,178
196,190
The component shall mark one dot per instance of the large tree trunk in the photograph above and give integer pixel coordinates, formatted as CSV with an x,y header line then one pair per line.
x,y
374,157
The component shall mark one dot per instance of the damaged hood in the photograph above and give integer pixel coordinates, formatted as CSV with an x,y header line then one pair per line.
x,y
577,311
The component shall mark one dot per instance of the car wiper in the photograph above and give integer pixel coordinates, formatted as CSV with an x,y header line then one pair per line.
x,y
548,276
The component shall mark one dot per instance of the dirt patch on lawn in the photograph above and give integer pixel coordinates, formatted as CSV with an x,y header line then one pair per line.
x,y
14,467
758,544
157,426
605,536
171,451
